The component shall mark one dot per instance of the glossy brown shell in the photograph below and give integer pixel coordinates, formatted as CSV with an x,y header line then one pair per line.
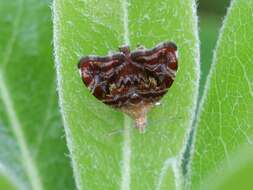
x,y
127,78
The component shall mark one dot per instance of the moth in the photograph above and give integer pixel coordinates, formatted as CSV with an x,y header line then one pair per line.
x,y
131,81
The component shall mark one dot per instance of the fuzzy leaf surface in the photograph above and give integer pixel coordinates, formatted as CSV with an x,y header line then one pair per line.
x,y
225,123
107,152
32,148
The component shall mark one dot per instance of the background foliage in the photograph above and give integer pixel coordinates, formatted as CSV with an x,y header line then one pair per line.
x,y
224,135
33,153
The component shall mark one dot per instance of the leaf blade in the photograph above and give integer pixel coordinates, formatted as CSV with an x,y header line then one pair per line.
x,y
225,116
31,143
94,27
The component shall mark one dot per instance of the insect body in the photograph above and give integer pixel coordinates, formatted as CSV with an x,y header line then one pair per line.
x,y
131,81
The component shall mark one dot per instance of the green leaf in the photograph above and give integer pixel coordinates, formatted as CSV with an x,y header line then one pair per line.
x,y
106,152
31,143
226,118
6,184
209,25
237,177
6,180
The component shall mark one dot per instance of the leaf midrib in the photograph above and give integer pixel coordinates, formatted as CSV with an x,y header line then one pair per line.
x,y
16,128
126,148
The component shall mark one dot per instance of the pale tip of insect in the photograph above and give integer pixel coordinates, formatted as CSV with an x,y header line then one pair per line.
x,y
176,53
157,103
80,72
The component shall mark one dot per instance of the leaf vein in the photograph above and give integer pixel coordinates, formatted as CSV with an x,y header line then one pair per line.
x,y
17,129
11,42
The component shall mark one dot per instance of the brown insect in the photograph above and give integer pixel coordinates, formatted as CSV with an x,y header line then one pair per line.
x,y
131,81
